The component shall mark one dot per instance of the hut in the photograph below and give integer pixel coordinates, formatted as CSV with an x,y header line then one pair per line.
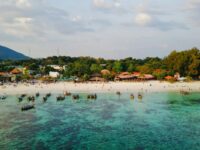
x,y
105,72
97,79
136,74
146,77
125,76
16,71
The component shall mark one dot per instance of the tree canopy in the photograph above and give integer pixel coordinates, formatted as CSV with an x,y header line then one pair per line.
x,y
186,62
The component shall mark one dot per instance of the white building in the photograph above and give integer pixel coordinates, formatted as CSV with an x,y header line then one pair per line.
x,y
56,67
54,74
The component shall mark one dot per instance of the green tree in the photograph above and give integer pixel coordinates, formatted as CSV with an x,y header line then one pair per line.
x,y
95,68
117,67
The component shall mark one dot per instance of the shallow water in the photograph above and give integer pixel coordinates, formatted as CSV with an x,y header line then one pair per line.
x,y
164,121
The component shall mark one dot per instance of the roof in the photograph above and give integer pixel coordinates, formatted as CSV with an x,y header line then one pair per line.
x,y
2,73
16,71
97,79
125,75
105,72
146,76
169,77
136,74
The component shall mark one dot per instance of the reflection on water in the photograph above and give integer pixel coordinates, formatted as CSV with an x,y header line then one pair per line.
x,y
157,121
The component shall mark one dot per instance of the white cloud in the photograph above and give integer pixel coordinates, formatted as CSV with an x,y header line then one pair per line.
x,y
23,3
101,4
146,15
107,4
18,19
143,19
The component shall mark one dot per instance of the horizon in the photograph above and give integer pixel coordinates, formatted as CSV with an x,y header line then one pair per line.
x,y
109,29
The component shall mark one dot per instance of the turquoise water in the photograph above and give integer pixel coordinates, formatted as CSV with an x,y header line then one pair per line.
x,y
160,121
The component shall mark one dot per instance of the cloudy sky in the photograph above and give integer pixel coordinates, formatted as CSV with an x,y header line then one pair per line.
x,y
99,28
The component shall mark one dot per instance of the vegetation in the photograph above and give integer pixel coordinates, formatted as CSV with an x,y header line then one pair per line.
x,y
187,63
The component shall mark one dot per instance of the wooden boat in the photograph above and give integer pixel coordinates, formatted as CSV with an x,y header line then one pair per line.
x,y
3,97
140,96
184,92
132,96
67,93
20,99
92,96
118,93
31,98
60,98
75,96
27,107
44,99
37,94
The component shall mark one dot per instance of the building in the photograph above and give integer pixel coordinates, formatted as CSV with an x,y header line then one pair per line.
x,y
16,71
56,67
105,72
125,76
54,74
96,77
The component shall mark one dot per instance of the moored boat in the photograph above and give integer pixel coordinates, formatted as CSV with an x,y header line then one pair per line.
x,y
76,96
37,94
60,98
27,107
132,96
20,99
31,98
44,99
66,93
92,96
3,97
118,93
140,96
184,92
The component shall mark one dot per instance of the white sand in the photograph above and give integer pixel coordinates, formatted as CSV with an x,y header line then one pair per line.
x,y
131,87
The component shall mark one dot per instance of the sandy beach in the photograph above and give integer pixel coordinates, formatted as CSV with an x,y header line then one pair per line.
x,y
132,87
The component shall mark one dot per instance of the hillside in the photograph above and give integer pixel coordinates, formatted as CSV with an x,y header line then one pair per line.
x,y
7,53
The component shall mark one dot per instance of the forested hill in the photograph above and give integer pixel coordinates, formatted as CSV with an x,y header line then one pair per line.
x,y
7,53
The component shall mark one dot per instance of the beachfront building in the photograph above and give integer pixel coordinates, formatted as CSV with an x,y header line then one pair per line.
x,y
56,67
105,72
54,74
16,71
125,76
5,77
96,77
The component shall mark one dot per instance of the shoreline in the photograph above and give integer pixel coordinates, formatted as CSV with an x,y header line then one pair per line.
x,y
108,87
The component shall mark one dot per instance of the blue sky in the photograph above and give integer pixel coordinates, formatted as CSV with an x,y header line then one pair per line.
x,y
99,28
